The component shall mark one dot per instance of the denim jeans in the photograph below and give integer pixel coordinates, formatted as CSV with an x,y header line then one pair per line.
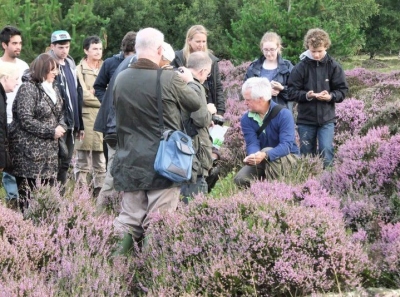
x,y
309,135
10,186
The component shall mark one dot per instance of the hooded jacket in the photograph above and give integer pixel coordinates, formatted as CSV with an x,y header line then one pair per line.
x,y
317,76
282,76
70,114
213,83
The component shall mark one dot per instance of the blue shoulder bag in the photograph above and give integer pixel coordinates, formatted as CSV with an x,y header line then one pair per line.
x,y
175,154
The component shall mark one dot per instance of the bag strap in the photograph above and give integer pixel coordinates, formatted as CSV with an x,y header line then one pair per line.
x,y
159,103
275,110
160,106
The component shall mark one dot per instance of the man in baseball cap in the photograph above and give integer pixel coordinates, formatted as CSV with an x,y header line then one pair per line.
x,y
71,93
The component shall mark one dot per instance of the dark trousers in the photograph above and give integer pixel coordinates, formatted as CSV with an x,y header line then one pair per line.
x,y
63,163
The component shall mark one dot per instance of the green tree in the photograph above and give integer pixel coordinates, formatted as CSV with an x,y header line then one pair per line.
x,y
382,33
342,19
38,19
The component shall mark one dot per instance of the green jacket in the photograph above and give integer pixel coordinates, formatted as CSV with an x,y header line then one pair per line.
x,y
201,119
138,130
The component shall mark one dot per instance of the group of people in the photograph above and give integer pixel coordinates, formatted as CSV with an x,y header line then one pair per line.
x,y
106,112
316,84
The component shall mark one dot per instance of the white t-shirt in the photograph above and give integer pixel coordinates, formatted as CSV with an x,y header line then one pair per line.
x,y
22,66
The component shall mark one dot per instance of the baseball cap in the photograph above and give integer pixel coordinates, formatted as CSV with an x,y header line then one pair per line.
x,y
168,53
60,35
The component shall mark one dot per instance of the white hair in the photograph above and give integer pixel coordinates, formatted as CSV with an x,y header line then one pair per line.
x,y
148,38
260,88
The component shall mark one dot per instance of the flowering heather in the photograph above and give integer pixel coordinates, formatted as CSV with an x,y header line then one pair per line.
x,y
233,150
350,119
232,77
371,78
386,254
69,248
269,241
364,177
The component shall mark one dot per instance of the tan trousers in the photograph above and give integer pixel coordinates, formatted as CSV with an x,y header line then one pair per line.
x,y
137,206
107,190
90,162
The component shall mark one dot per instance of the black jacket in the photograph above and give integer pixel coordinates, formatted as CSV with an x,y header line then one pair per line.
x,y
105,120
68,112
4,156
213,86
105,74
318,76
282,76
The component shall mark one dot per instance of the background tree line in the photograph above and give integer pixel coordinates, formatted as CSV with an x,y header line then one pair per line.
x,y
235,26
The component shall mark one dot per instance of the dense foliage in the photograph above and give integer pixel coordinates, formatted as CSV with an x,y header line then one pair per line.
x,y
235,26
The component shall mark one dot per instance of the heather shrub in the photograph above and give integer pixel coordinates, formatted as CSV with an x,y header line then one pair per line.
x,y
388,115
385,253
23,247
272,240
233,150
78,262
232,78
365,177
350,119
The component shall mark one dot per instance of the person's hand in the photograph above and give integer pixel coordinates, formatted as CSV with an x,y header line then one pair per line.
x,y
211,108
275,92
324,96
80,135
255,159
311,94
59,132
277,85
185,74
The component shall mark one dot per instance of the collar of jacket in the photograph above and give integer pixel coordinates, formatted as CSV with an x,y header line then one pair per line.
x,y
282,67
145,64
324,60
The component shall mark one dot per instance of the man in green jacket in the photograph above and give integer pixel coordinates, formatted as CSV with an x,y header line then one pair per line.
x,y
138,134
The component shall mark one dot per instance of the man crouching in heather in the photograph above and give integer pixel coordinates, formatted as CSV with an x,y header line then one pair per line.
x,y
269,134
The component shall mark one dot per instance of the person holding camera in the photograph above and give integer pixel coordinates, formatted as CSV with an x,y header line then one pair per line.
x,y
197,124
196,41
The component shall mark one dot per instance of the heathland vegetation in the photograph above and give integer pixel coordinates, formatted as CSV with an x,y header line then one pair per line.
x,y
314,232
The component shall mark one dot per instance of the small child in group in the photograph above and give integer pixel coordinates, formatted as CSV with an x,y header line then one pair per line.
x,y
317,83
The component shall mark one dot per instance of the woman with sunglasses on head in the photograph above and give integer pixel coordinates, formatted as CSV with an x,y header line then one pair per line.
x,y
272,66
38,123
196,40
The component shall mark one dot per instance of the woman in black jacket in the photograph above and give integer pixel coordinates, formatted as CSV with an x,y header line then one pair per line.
x,y
196,40
9,75
272,66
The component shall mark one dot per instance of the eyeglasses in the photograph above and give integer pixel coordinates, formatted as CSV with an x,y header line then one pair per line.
x,y
269,50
